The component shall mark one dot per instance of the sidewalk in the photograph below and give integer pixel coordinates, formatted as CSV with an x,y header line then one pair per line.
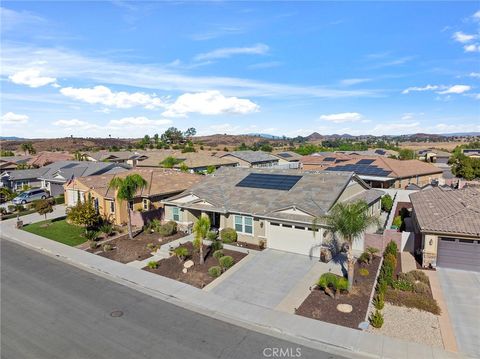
x,y
312,333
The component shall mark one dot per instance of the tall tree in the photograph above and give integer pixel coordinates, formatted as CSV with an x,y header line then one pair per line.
x,y
126,189
349,221
201,229
172,136
190,132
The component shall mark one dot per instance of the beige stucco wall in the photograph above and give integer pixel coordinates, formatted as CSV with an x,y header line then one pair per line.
x,y
429,250
420,180
351,191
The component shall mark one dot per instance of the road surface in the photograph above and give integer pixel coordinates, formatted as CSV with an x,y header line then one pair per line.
x,y
50,309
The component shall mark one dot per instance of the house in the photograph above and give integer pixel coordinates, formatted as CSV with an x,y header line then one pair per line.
x,y
322,160
46,157
53,176
128,157
372,152
274,206
162,183
381,172
12,162
472,153
449,223
286,157
254,159
433,156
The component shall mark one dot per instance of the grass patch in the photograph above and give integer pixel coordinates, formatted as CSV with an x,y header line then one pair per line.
x,y
58,230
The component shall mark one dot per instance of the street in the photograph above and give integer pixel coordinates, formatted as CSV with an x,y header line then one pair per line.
x,y
50,309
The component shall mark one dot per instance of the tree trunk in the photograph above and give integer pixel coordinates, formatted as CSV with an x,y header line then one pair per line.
x,y
129,225
202,260
350,268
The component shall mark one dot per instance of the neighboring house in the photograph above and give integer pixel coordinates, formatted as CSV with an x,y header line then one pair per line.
x,y
372,152
278,207
253,159
53,176
12,162
433,156
287,157
128,157
322,160
381,172
162,184
449,223
473,153
46,157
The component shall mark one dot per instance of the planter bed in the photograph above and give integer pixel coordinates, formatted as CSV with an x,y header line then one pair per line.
x,y
319,305
198,274
247,246
126,250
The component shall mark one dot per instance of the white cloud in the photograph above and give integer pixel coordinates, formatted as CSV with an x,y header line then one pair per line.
x,y
342,117
424,88
265,65
104,96
11,117
455,89
226,52
472,48
476,16
354,81
72,123
31,77
209,103
462,37
140,121
474,74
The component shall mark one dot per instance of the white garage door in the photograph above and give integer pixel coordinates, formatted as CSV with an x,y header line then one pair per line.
x,y
295,239
459,253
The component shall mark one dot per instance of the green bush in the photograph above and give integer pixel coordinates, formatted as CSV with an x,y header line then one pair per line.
x,y
153,225
90,235
167,229
413,300
376,319
93,244
218,254
418,275
342,284
379,301
397,222
226,262
372,250
107,247
216,245
363,272
421,288
402,284
390,259
181,253
381,285
151,246
330,280
106,228
387,203
228,235
212,235
152,265
215,271
391,248
364,258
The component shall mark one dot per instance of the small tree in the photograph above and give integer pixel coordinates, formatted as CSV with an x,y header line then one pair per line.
x,y
126,190
169,162
210,169
44,206
84,214
387,203
201,229
184,167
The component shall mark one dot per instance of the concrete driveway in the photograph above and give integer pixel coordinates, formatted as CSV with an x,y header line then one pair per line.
x,y
461,290
266,278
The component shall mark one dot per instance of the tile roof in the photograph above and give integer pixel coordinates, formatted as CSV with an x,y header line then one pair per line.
x,y
452,212
252,156
192,160
320,158
117,155
287,155
160,181
46,157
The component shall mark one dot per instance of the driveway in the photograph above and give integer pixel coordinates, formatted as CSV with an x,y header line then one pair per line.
x,y
461,290
267,278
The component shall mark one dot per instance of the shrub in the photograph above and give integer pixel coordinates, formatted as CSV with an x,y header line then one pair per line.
x,y
402,284
228,235
387,203
226,262
381,285
397,221
330,280
413,300
365,258
167,229
218,254
390,259
363,272
342,284
216,245
93,244
212,235
376,319
181,253
419,275
106,228
153,225
421,288
215,271
372,250
379,301
84,214
151,246
90,235
107,247
152,265
391,248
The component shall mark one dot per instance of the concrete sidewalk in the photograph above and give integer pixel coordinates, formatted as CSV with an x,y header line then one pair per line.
x,y
312,333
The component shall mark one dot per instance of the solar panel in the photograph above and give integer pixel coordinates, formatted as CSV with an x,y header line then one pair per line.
x,y
269,181
285,155
365,162
329,159
380,152
70,165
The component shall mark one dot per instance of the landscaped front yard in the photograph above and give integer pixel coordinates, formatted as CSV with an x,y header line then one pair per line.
x,y
58,230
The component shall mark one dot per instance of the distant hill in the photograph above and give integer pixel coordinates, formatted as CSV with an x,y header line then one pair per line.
x,y
314,137
264,135
220,140
10,138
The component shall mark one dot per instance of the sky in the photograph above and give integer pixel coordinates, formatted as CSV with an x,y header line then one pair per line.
x,y
126,69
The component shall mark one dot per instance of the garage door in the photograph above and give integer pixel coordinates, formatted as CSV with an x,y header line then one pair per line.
x,y
295,239
459,253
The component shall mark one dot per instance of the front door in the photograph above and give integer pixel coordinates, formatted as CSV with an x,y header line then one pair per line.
x,y
214,219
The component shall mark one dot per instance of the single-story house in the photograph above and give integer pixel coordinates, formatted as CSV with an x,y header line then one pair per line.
x,y
12,162
382,172
275,206
286,157
371,152
162,183
253,159
471,152
449,223
321,160
131,158
433,155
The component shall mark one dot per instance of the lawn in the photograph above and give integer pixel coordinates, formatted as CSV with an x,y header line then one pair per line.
x,y
59,230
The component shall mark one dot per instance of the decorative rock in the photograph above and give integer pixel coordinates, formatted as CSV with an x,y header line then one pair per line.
x,y
188,264
344,308
184,270
363,325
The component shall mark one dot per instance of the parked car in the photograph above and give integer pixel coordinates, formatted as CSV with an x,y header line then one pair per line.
x,y
30,196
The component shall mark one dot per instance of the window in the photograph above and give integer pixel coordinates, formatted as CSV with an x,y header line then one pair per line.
x,y
145,204
299,227
176,214
243,224
287,225
274,224
112,207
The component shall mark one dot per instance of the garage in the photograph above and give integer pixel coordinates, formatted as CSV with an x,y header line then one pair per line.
x,y
293,238
459,253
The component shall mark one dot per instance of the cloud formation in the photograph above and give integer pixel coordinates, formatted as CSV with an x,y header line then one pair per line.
x,y
226,52
440,89
463,38
455,89
11,117
32,78
342,117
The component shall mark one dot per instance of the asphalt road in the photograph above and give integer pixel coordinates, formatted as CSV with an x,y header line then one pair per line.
x,y
50,309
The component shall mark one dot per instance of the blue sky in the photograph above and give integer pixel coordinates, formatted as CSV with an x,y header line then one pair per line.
x,y
285,68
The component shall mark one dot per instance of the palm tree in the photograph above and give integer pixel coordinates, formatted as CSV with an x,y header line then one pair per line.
x,y
126,189
350,220
201,229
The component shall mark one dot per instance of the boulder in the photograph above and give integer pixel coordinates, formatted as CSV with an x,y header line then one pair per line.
x,y
344,308
184,270
188,264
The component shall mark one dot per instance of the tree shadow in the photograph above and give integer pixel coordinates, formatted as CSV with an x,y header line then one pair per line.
x,y
338,255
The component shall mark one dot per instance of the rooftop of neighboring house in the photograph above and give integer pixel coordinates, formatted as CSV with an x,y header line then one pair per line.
x,y
160,182
46,157
386,167
324,158
437,153
114,156
471,151
192,160
289,156
16,159
372,152
252,156
273,193
448,211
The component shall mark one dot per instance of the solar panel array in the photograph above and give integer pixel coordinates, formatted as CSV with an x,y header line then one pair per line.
x,y
285,155
269,181
380,152
365,162
329,159
70,165
367,170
